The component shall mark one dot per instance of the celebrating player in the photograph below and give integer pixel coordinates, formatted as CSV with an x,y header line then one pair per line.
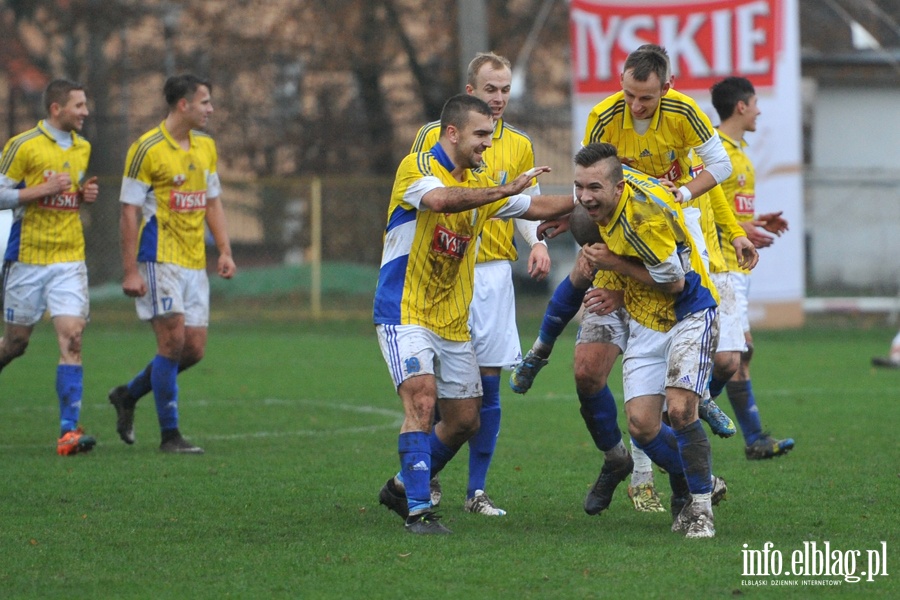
x,y
42,177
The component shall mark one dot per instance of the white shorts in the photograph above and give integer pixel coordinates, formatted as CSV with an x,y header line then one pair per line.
x,y
731,333
741,283
30,290
681,357
412,350
604,329
492,316
173,289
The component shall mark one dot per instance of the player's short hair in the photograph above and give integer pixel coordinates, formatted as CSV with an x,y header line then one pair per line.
x,y
457,109
485,58
647,60
58,91
601,151
182,86
727,93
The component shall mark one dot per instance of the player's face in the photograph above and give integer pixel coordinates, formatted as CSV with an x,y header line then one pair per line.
x,y
751,112
71,115
199,108
473,139
492,85
642,97
596,192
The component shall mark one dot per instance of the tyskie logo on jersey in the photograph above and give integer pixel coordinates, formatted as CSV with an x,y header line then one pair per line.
x,y
187,201
743,204
63,201
674,173
449,243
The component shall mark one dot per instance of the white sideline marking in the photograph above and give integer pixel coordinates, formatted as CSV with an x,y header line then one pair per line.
x,y
396,421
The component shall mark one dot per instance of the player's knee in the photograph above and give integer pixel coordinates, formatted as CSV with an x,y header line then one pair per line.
x,y
641,429
747,354
587,379
14,347
725,365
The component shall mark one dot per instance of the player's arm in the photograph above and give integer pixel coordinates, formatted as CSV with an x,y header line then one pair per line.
x,y
667,276
11,196
539,257
215,219
716,169
133,284
460,199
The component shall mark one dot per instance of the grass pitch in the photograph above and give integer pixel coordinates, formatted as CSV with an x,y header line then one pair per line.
x,y
299,422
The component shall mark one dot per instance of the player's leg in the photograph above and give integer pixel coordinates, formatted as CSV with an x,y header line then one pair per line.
x,y
562,308
495,339
726,359
24,303
758,445
690,362
14,342
67,302
892,360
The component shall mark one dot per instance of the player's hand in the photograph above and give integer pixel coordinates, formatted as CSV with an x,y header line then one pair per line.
x,y
672,187
773,222
757,236
226,267
747,256
602,301
538,262
599,256
57,184
89,190
524,181
550,229
134,285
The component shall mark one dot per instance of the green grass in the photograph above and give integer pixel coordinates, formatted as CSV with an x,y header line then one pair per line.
x,y
300,425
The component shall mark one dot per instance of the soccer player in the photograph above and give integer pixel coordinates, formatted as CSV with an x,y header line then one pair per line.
x,y
892,360
492,317
43,179
171,187
671,303
735,101
654,128
439,205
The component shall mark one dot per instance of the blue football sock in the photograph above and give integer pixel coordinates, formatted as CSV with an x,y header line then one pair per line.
x,y
563,306
663,450
141,385
415,468
69,386
440,453
164,380
482,444
716,386
600,413
740,394
696,459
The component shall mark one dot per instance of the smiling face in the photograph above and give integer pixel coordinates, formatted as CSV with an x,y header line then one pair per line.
x,y
642,97
70,116
492,85
597,191
750,111
471,140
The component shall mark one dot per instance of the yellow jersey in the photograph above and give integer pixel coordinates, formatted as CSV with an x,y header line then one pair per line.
x,y
511,154
172,186
739,188
428,263
48,230
649,226
719,226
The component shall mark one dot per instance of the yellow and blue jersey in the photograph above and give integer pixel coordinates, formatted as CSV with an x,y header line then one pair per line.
x,y
677,126
172,185
427,266
48,230
719,226
649,226
739,188
511,154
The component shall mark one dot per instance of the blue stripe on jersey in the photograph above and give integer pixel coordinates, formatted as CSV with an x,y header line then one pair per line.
x,y
389,292
399,217
15,239
148,244
693,298
438,152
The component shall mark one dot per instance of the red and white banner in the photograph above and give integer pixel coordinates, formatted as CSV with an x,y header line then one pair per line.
x,y
708,40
